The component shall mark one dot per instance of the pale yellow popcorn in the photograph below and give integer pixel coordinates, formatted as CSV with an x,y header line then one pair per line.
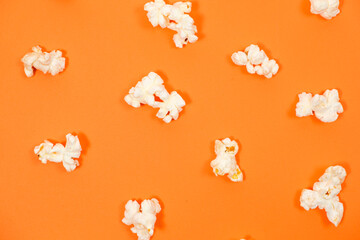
x,y
143,220
225,162
48,152
256,61
52,62
324,194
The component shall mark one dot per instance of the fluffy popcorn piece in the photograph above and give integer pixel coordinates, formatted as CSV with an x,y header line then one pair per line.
x,y
52,62
304,106
324,194
326,107
48,152
142,217
145,91
174,17
256,61
326,8
170,107
225,162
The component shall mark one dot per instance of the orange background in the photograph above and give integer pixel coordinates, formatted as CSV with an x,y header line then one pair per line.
x,y
131,154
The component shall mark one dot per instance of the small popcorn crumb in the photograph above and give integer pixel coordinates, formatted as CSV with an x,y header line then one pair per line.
x,y
145,91
174,17
324,194
326,8
256,61
326,107
225,162
143,220
52,62
48,152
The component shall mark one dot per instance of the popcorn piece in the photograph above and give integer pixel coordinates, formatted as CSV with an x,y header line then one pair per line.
x,y
326,8
48,152
145,91
324,194
144,220
170,108
225,162
326,107
174,17
256,61
304,106
52,62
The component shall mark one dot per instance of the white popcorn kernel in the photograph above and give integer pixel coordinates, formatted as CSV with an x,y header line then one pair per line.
x,y
171,107
326,107
256,61
157,13
58,153
304,106
225,162
326,8
52,62
145,91
143,220
324,194
239,58
174,17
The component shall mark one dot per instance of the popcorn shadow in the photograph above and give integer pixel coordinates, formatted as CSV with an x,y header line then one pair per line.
x,y
198,19
267,51
160,222
247,237
85,144
292,110
305,8
67,60
142,18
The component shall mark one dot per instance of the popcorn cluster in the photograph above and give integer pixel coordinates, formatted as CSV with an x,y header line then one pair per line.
x,y
46,151
326,107
52,62
145,91
174,17
225,162
324,194
256,61
144,220
326,8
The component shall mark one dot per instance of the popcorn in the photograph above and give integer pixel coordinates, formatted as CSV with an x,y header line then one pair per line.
x,y
144,220
326,8
324,194
52,62
326,107
170,108
145,91
174,17
48,152
225,162
256,61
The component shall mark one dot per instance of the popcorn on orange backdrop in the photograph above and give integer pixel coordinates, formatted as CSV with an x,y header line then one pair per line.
x,y
225,162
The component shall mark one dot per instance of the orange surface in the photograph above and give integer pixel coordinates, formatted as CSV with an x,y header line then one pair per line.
x,y
130,154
